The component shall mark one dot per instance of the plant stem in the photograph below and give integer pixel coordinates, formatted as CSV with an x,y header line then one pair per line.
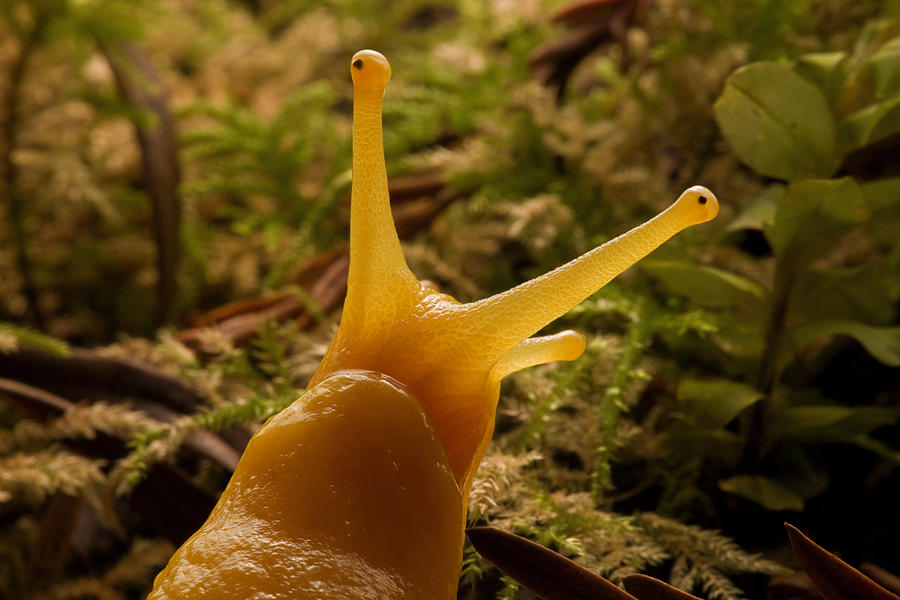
x,y
9,175
768,371
755,430
613,404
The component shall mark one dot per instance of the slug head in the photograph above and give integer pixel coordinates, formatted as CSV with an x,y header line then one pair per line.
x,y
452,356
698,204
370,71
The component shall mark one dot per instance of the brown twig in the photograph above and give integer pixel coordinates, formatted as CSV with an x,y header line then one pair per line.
x,y
86,374
9,172
139,84
95,378
33,401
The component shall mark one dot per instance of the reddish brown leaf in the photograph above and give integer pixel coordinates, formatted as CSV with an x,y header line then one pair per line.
x,y
546,573
835,579
794,586
413,187
882,577
232,309
644,587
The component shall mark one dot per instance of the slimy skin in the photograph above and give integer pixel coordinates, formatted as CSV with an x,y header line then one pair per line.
x,y
359,488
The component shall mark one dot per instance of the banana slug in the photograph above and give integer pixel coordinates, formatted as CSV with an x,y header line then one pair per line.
x,y
359,488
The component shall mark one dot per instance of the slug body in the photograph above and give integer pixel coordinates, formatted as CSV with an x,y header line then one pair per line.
x,y
359,488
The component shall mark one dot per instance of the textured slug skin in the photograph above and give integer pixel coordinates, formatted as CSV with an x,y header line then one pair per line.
x,y
359,488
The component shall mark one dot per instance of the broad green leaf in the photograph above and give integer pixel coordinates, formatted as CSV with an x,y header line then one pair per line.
x,y
764,491
878,447
862,294
712,404
777,122
814,214
882,193
884,68
831,422
824,69
797,420
883,343
875,72
870,124
708,286
760,211
883,196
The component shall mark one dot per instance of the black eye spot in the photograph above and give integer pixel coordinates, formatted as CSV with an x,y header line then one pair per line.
x,y
701,199
358,63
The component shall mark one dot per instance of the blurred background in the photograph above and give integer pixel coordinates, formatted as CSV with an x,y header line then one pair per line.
x,y
174,195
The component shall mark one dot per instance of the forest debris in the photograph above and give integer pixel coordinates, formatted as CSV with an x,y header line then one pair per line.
x,y
591,23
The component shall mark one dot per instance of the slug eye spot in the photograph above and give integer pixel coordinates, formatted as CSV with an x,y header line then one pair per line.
x,y
358,63
701,199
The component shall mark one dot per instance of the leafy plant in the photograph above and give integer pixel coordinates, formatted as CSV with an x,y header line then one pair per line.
x,y
807,127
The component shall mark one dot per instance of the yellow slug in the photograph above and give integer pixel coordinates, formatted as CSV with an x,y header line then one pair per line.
x,y
359,488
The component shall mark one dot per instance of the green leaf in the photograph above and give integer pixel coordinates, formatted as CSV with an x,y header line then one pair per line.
x,y
760,211
830,422
708,286
22,336
800,420
870,124
826,70
764,491
882,193
712,404
878,447
777,122
874,74
814,214
883,343
883,67
862,294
